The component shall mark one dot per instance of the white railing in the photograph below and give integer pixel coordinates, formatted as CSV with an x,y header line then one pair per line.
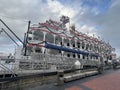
x,y
43,63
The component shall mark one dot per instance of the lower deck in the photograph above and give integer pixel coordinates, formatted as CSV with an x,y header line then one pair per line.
x,y
44,63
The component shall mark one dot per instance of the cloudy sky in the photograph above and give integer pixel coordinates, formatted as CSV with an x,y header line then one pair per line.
x,y
99,17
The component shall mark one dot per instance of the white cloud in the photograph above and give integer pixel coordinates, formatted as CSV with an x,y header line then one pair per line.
x,y
60,9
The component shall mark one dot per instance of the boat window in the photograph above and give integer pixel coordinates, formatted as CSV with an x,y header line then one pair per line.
x,y
78,55
82,47
59,51
29,38
73,45
83,56
61,43
38,35
66,41
38,50
78,44
90,46
8,61
58,40
91,57
53,51
96,57
87,46
68,44
49,38
73,55
68,55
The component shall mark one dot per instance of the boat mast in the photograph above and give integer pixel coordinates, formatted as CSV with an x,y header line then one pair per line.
x,y
26,38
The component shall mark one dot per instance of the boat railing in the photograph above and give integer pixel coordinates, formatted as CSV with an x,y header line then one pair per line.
x,y
44,62
6,67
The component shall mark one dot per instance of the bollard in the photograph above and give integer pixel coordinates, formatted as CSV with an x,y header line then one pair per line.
x,y
60,77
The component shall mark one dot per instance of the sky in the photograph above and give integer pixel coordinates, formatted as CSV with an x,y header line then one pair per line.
x,y
98,17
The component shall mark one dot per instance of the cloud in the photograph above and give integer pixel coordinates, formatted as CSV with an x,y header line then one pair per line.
x,y
109,23
60,9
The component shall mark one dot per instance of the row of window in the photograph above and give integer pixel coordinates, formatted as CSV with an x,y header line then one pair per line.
x,y
58,52
81,56
66,54
85,47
